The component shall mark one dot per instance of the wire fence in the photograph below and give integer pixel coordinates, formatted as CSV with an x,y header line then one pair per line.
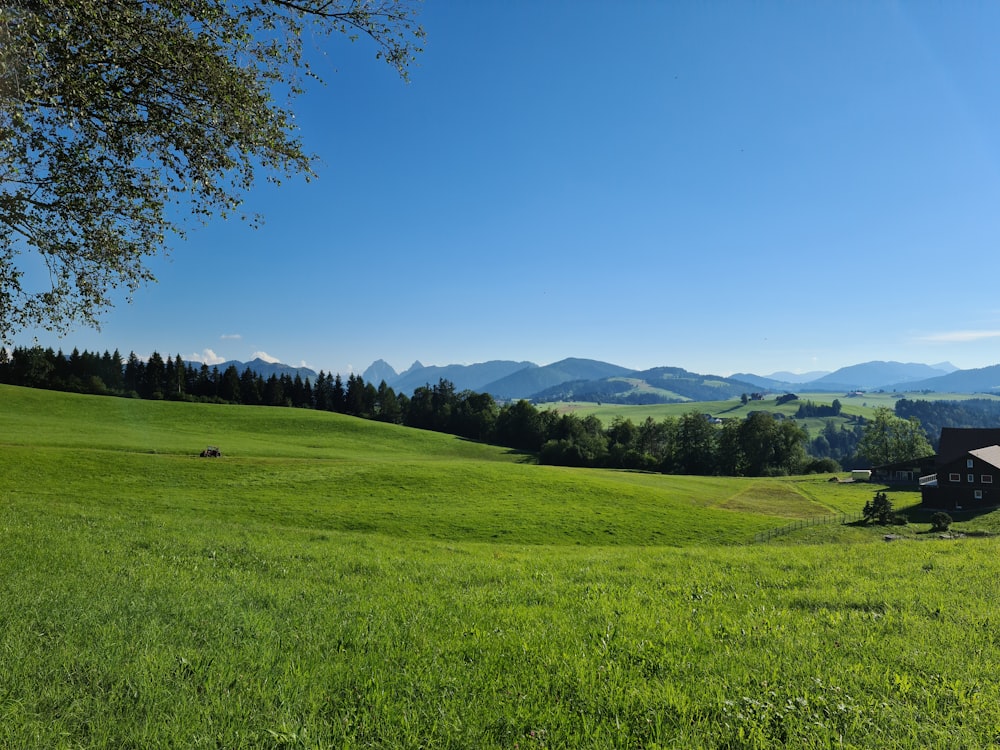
x,y
804,523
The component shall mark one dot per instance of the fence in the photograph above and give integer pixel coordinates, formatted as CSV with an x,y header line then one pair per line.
x,y
764,536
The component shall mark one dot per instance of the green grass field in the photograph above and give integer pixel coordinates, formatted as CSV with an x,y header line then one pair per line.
x,y
335,583
862,406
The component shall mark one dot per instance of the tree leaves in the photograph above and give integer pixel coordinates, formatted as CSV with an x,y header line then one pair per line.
x,y
119,120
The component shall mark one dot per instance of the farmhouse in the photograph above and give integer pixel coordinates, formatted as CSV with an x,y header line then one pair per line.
x,y
967,470
904,472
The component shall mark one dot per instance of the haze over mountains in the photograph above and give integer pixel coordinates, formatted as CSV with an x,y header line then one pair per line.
x,y
591,380
266,369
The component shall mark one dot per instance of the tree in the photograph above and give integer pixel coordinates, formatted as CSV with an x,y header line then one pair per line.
x,y
134,374
888,439
878,509
338,396
118,118
322,392
274,392
354,401
155,377
696,445
519,425
229,386
475,415
388,408
250,387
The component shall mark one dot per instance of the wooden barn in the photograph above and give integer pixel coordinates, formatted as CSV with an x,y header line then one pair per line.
x,y
906,473
967,470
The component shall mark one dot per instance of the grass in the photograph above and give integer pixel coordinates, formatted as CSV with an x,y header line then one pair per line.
x,y
862,406
332,583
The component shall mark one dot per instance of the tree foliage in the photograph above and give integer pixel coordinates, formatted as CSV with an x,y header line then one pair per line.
x,y
118,117
888,439
878,509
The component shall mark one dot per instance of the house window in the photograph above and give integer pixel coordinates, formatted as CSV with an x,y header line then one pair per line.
x,y
979,494
968,463
954,477
986,479
971,478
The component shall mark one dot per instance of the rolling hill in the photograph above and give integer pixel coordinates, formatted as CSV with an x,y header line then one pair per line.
x,y
980,380
528,382
660,385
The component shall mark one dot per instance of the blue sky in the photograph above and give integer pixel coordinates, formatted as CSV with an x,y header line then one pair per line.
x,y
720,186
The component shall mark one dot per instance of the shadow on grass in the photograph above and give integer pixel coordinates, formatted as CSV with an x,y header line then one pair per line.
x,y
916,513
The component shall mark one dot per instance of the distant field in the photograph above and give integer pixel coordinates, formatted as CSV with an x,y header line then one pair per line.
x,y
851,405
335,583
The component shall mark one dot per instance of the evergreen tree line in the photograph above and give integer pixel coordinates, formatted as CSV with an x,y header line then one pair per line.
x,y
933,415
809,409
759,445
174,379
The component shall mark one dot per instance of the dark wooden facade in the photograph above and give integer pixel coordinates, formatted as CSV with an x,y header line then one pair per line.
x,y
904,472
964,481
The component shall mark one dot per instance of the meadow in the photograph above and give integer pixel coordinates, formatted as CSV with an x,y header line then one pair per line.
x,y
862,405
335,583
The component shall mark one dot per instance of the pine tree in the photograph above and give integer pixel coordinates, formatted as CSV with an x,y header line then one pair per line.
x,y
338,400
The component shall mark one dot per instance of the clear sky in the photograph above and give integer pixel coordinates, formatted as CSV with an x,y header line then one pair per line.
x,y
719,186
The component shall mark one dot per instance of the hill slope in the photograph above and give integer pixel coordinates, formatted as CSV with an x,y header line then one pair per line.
x,y
660,385
304,469
980,380
870,375
528,382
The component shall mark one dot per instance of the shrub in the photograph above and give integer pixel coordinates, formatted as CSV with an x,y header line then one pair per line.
x,y
940,521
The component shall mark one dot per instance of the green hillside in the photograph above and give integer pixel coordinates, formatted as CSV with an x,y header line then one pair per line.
x,y
316,470
860,405
336,583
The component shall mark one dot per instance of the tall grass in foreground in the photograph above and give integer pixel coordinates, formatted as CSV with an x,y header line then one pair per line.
x,y
125,632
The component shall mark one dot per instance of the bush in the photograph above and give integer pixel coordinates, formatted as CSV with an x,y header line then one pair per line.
x,y
940,521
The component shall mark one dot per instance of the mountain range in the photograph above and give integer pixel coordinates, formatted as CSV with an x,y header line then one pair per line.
x,y
265,369
591,380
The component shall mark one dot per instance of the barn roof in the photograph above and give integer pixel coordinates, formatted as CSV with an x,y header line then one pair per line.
x,y
990,455
957,441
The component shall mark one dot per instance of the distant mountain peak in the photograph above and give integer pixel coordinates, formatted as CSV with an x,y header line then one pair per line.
x,y
797,377
378,371
947,367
